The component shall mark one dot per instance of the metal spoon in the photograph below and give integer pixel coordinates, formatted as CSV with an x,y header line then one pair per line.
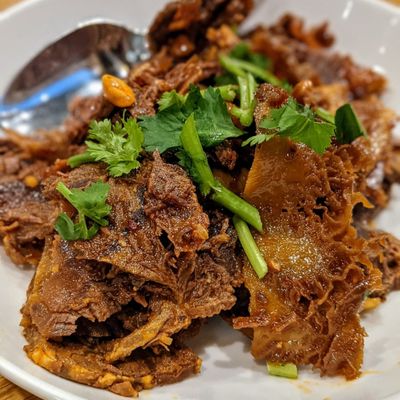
x,y
38,96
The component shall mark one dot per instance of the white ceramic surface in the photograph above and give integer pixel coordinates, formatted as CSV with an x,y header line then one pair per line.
x,y
370,31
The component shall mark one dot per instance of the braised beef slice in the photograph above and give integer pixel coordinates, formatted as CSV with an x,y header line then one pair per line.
x,y
140,281
296,60
186,22
26,219
87,364
171,203
65,289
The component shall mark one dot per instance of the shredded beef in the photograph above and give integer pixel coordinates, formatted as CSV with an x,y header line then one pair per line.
x,y
190,19
295,60
87,364
26,219
171,202
159,265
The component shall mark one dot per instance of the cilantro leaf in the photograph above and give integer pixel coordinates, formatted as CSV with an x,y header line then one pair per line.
x,y
300,125
90,203
258,139
213,122
117,145
348,126
161,131
70,231
169,99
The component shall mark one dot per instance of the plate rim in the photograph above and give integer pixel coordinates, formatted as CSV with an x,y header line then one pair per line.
x,y
30,382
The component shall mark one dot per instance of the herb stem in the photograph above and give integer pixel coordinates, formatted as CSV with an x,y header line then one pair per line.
x,y
203,175
227,92
249,245
64,190
240,67
325,115
237,205
247,88
192,145
83,158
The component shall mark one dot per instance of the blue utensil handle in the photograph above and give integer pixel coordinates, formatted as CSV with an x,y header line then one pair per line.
x,y
58,88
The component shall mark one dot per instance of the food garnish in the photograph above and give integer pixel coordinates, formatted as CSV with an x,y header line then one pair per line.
x,y
247,89
213,122
90,203
348,126
287,370
194,160
243,67
250,247
118,145
299,123
241,61
313,128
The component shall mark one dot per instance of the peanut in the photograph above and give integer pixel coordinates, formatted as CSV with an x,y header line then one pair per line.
x,y
117,92
31,181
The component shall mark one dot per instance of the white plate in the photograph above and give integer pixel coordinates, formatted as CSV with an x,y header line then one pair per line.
x,y
367,29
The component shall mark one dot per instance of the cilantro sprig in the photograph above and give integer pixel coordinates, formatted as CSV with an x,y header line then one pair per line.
x,y
300,124
213,122
315,129
117,145
168,99
90,203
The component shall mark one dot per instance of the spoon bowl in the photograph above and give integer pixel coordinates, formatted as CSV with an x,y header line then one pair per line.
x,y
70,66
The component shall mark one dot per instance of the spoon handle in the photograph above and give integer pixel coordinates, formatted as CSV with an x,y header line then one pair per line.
x,y
55,89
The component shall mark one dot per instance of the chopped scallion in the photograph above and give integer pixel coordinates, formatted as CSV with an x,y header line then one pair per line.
x,y
194,160
247,88
249,245
287,370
